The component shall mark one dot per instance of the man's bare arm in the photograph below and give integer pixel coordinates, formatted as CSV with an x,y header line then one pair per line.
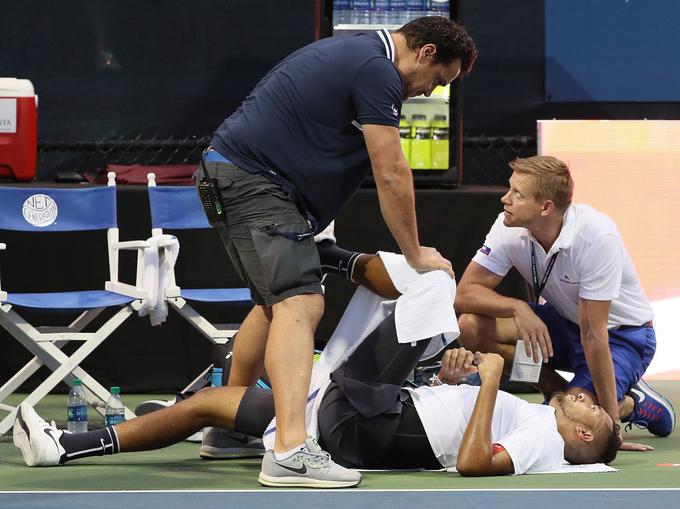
x,y
476,456
394,182
593,318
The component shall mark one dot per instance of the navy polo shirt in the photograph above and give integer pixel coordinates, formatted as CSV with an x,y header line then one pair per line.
x,y
301,125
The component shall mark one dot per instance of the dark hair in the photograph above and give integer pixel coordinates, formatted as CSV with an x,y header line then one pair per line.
x,y
600,450
451,40
611,446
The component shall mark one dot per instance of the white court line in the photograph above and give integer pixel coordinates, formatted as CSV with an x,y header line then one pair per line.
x,y
342,490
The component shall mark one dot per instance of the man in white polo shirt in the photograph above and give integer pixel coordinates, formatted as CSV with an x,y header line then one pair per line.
x,y
596,320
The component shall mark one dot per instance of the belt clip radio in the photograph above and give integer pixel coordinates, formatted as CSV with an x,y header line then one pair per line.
x,y
210,195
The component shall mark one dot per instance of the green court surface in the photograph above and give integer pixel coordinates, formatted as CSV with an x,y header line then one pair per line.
x,y
179,467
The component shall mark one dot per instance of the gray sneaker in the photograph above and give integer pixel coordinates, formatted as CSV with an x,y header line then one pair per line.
x,y
311,467
219,443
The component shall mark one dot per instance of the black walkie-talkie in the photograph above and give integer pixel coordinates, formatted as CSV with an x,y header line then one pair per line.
x,y
210,195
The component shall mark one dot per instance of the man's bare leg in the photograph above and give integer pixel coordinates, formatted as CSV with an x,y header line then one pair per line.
x,y
288,360
208,407
499,335
370,271
249,347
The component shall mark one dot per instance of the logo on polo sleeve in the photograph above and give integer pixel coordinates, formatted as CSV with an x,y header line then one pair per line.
x,y
40,210
485,250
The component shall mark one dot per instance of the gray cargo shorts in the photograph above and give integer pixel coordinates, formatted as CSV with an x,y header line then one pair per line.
x,y
260,231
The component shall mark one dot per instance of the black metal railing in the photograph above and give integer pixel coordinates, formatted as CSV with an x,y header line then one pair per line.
x,y
485,158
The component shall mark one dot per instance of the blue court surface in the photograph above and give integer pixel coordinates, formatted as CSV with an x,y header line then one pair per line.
x,y
343,499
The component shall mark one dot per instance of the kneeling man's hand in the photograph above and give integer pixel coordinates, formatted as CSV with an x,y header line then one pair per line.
x,y
534,332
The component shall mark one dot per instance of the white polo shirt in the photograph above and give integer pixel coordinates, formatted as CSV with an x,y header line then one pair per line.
x,y
527,431
592,263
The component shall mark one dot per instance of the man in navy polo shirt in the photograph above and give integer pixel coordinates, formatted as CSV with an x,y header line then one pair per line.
x,y
287,161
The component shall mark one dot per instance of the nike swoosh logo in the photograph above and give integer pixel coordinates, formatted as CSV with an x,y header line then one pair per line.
x,y
302,470
23,425
640,395
48,432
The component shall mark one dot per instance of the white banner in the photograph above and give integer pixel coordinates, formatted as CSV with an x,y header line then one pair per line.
x,y
8,115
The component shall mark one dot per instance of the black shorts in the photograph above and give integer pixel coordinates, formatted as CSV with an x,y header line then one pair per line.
x,y
260,221
366,418
394,438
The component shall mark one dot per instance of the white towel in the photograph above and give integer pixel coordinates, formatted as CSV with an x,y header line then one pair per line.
x,y
156,277
568,468
426,305
367,310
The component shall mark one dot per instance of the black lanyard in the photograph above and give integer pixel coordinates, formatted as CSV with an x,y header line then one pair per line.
x,y
534,272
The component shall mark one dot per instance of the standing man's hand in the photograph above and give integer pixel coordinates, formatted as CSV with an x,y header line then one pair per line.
x,y
533,332
428,258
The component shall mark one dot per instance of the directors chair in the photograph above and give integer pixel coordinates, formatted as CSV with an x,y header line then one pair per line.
x,y
179,208
37,211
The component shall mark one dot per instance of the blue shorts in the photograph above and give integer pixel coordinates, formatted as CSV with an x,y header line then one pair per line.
x,y
632,350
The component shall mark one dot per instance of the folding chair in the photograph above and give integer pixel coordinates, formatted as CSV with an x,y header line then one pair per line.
x,y
30,209
179,208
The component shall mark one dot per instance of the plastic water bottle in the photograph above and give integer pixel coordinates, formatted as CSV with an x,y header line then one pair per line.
x,y
380,12
405,136
397,13
341,12
216,377
439,151
421,158
76,408
415,8
361,12
115,410
440,8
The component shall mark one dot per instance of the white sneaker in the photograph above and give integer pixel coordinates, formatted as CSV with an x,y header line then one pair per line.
x,y
38,440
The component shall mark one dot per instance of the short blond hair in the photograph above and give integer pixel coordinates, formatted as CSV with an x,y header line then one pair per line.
x,y
552,178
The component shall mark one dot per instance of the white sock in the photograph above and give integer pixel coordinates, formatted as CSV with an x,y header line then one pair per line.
x,y
280,456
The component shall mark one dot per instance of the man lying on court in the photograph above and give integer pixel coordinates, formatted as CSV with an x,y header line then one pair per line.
x,y
366,419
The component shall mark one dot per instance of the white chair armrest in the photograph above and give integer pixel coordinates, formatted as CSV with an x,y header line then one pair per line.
x,y
131,244
167,242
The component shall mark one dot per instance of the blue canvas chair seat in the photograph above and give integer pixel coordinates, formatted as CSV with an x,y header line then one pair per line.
x,y
37,210
217,295
179,208
68,301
